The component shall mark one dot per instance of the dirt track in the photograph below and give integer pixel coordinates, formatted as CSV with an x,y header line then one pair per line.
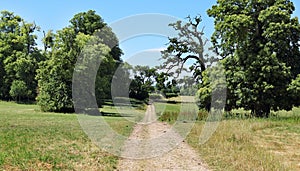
x,y
154,146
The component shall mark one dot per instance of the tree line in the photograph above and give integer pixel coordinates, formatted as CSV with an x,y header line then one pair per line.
x,y
29,73
256,42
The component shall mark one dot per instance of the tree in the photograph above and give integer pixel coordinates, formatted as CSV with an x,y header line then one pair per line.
x,y
142,83
190,44
87,22
212,91
48,40
188,86
85,36
165,84
259,41
19,56
19,90
55,74
294,90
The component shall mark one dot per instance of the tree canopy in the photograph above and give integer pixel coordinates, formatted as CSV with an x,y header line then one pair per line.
x,y
19,57
55,74
259,41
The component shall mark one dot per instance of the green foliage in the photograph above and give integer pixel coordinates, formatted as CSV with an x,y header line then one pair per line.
x,y
142,83
259,41
84,38
187,86
87,22
19,55
203,95
165,84
19,90
170,117
147,80
213,87
55,74
294,90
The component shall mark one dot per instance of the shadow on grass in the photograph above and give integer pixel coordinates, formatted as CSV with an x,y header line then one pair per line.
x,y
27,102
123,102
96,112
112,114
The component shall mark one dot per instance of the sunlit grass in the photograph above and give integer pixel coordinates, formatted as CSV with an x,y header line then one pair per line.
x,y
33,140
244,143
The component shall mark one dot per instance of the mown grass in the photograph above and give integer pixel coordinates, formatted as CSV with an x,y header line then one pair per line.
x,y
33,140
244,143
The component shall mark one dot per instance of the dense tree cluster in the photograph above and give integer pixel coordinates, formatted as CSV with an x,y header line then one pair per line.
x,y
46,75
149,80
19,58
55,74
257,43
28,73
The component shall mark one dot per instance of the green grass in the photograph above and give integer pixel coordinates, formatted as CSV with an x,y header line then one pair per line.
x,y
179,112
235,146
243,143
176,112
33,140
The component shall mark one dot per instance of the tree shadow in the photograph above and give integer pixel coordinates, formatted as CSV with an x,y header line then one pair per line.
x,y
96,112
113,114
26,102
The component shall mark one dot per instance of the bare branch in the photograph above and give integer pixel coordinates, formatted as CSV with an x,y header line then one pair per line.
x,y
189,44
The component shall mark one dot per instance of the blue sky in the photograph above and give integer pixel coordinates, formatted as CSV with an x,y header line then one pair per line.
x,y
54,15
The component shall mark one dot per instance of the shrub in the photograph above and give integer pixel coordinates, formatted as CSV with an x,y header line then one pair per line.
x,y
19,90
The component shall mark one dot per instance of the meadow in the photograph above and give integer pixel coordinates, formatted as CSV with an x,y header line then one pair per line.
x,y
243,143
34,140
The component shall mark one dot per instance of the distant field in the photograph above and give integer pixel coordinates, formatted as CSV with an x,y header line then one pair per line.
x,y
32,140
249,144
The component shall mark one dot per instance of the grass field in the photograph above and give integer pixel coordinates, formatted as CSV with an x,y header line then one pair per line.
x,y
249,144
32,140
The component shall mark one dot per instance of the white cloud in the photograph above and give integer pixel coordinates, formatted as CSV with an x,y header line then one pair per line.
x,y
156,49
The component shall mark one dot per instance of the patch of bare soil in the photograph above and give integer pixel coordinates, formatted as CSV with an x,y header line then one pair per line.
x,y
155,146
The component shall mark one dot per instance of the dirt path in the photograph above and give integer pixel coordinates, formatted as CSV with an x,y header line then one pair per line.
x,y
154,146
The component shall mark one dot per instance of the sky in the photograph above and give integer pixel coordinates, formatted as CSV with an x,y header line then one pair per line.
x,y
55,15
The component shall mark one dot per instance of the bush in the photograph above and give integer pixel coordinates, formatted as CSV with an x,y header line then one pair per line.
x,y
19,90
